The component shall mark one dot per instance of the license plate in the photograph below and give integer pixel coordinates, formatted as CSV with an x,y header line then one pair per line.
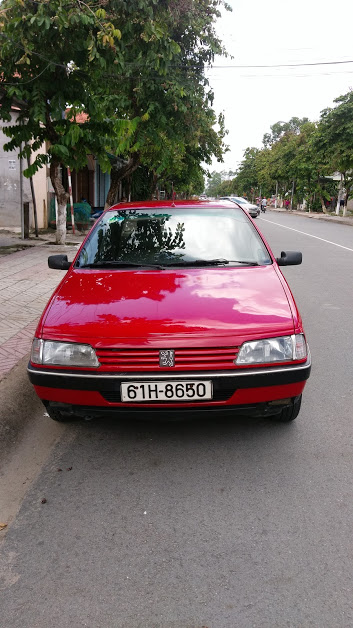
x,y
166,391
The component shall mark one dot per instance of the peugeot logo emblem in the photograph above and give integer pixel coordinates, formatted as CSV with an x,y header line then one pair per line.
x,y
167,357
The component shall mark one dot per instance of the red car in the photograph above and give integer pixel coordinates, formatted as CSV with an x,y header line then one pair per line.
x,y
171,307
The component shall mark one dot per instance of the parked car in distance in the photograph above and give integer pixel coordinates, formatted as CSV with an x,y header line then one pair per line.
x,y
171,308
253,210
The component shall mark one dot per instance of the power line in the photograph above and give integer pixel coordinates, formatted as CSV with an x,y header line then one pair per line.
x,y
205,67
258,75
207,70
279,65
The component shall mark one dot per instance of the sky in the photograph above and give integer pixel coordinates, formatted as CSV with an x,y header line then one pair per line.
x,y
275,32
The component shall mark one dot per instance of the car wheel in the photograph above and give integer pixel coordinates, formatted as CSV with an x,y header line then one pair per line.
x,y
289,413
59,415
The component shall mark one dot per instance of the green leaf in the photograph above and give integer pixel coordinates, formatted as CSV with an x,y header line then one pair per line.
x,y
101,13
59,151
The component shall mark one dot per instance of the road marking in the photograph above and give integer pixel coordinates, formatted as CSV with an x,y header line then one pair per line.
x,y
308,234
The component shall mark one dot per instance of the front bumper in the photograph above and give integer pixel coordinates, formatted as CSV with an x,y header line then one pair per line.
x,y
86,391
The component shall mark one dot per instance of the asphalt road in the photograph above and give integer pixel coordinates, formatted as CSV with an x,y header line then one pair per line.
x,y
217,523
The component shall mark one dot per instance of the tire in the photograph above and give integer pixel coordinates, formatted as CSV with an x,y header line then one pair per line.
x,y
289,413
58,415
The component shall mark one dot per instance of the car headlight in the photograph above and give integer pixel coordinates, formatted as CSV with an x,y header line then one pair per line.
x,y
63,353
281,349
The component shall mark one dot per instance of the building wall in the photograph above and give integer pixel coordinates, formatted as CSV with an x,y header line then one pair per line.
x,y
102,184
40,184
10,187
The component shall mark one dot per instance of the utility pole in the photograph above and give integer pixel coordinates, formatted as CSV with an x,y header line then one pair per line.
x,y
33,199
340,194
276,194
291,198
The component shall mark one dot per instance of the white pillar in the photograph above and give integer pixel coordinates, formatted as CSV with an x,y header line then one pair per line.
x,y
340,192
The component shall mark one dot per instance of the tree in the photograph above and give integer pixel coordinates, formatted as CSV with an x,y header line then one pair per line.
x,y
52,57
136,72
311,167
280,128
247,177
336,141
164,94
226,188
289,163
215,180
220,183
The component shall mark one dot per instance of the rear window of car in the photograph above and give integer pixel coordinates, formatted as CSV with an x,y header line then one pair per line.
x,y
174,234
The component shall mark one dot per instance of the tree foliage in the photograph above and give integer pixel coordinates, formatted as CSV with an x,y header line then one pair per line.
x,y
164,89
215,182
135,70
281,128
335,140
52,57
299,158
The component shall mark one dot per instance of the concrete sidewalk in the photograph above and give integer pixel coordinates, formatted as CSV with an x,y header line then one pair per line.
x,y
26,284
346,220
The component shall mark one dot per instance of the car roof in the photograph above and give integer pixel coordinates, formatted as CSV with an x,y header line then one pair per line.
x,y
237,199
177,203
230,198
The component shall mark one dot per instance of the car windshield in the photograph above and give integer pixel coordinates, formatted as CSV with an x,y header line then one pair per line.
x,y
239,200
179,236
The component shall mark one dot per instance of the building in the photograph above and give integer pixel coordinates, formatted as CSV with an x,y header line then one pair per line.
x,y
15,188
89,183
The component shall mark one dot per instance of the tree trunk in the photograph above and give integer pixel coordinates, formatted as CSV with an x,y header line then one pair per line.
x,y
113,189
347,187
323,206
62,198
155,190
117,175
33,200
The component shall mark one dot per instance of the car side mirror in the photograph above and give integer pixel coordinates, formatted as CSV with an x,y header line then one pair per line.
x,y
289,258
59,262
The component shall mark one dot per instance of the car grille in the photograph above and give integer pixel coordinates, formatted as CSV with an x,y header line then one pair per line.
x,y
223,389
204,358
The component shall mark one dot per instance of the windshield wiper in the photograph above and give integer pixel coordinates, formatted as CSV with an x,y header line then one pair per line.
x,y
211,262
200,262
194,262
120,264
242,261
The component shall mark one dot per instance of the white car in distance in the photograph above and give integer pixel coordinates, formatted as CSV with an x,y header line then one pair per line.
x,y
253,210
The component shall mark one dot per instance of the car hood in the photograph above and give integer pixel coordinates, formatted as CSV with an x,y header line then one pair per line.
x,y
127,307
